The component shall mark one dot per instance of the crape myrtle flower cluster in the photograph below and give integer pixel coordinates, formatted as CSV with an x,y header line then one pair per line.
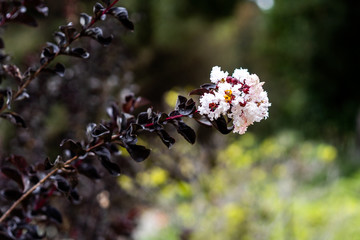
x,y
240,97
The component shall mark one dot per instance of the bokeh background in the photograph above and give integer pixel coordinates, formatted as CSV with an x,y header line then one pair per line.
x,y
294,176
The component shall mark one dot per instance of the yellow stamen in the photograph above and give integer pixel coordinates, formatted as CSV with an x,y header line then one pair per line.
x,y
228,96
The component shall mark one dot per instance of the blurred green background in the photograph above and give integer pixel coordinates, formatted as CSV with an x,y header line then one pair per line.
x,y
293,176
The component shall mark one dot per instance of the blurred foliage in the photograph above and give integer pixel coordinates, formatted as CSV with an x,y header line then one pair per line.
x,y
282,187
294,176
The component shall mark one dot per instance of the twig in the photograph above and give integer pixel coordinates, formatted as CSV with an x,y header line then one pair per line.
x,y
42,67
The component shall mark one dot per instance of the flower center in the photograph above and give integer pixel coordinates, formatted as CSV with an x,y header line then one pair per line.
x,y
213,106
228,96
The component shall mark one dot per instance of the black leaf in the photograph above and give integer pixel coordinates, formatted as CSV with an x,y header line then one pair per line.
x,y
199,91
75,147
60,38
112,168
5,97
102,152
69,31
187,132
105,40
202,119
60,69
222,125
162,117
22,96
11,194
47,164
62,184
85,20
13,174
134,128
208,86
98,10
53,214
78,52
43,9
101,131
142,118
166,138
185,107
14,118
19,162
74,196
88,170
137,152
14,72
97,34
122,15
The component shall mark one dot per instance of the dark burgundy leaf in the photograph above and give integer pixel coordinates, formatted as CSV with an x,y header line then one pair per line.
x,y
43,9
128,106
84,20
13,174
162,117
69,31
78,52
60,69
5,97
102,152
62,184
222,125
98,10
74,196
47,164
53,214
202,119
187,132
60,38
140,101
75,147
142,118
14,72
88,170
11,194
185,107
208,86
19,162
122,15
112,168
166,138
199,91
134,128
14,118
22,96
97,34
181,100
137,152
100,131
105,40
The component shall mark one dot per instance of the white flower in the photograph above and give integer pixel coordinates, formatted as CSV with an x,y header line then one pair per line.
x,y
241,74
211,106
217,75
240,97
